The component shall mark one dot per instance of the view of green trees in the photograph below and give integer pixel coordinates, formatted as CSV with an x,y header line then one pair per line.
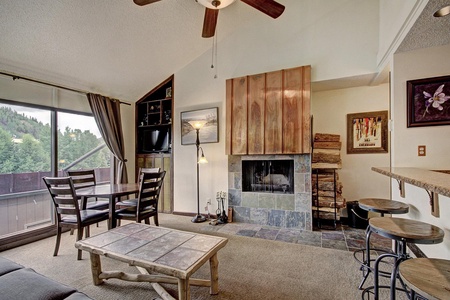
x,y
25,145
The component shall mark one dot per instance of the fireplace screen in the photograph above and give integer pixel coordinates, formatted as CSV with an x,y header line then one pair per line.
x,y
268,176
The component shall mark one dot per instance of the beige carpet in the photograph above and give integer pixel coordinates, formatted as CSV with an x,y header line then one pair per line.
x,y
249,268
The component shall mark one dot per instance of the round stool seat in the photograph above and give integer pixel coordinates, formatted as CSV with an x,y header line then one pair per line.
x,y
410,231
383,206
430,277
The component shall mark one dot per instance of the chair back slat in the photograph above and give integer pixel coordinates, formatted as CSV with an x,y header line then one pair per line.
x,y
62,210
82,178
63,195
149,190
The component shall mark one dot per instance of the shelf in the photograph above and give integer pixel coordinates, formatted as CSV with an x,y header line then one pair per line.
x,y
156,125
316,208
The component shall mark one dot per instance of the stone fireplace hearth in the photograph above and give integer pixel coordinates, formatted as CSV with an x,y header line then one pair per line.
x,y
271,204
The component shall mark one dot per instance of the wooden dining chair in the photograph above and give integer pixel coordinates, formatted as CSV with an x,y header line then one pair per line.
x,y
86,178
133,202
146,206
68,212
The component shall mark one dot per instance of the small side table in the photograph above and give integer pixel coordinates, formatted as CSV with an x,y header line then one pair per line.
x,y
429,277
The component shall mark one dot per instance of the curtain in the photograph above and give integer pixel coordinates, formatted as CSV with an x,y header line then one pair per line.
x,y
107,115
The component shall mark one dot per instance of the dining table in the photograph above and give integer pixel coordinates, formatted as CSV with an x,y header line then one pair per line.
x,y
110,191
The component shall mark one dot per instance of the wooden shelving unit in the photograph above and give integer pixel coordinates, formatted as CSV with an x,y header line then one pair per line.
x,y
154,127
327,197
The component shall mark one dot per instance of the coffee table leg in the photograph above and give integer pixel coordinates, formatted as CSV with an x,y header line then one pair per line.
x,y
96,268
214,269
184,292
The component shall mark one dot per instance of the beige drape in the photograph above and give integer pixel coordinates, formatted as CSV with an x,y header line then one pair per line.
x,y
107,115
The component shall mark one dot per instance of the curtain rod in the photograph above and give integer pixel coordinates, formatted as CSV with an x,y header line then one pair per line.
x,y
14,77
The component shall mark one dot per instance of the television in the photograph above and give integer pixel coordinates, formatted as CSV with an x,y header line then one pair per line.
x,y
155,140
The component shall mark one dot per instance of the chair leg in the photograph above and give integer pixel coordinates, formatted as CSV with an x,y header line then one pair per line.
x,y
155,218
79,237
58,240
147,221
87,231
71,231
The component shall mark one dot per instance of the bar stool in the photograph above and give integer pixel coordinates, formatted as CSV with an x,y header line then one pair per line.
x,y
402,231
429,277
382,206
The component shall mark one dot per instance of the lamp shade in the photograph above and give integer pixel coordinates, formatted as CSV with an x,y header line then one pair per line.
x,y
197,124
202,160
222,3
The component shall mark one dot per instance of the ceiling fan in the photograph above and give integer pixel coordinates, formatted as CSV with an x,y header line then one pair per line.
x,y
268,7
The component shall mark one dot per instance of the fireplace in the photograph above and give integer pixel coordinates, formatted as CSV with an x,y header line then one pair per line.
x,y
268,176
271,190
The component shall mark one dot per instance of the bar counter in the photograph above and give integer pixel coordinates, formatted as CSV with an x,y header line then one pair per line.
x,y
437,181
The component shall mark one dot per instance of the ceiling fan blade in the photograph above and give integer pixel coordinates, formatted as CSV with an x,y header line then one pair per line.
x,y
269,7
144,2
210,22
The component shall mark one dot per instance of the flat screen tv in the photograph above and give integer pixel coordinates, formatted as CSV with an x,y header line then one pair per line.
x,y
155,140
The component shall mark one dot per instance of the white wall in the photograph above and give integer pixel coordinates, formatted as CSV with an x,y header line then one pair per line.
x,y
330,109
338,41
29,92
424,63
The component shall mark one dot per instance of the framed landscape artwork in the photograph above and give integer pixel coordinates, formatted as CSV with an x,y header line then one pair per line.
x,y
428,101
209,133
367,132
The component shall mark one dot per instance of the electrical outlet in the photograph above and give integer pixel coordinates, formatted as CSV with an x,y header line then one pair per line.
x,y
208,201
422,150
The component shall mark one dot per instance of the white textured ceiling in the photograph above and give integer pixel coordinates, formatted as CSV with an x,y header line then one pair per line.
x,y
428,31
122,50
113,47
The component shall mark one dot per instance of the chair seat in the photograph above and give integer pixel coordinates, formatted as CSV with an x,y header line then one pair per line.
x,y
97,205
87,216
127,203
130,212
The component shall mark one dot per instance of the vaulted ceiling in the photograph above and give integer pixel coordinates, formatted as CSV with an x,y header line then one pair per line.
x,y
119,49
110,46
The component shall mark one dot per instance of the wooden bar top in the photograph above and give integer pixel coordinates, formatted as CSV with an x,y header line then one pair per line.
x,y
433,181
430,277
383,206
410,230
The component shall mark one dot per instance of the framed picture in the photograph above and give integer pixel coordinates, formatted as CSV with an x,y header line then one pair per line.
x,y
367,132
428,101
209,133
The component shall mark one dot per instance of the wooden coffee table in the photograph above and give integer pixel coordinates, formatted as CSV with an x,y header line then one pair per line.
x,y
163,255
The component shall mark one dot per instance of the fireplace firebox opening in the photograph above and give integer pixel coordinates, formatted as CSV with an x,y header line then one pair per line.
x,y
268,176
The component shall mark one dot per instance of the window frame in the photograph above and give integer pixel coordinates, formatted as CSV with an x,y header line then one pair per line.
x,y
13,240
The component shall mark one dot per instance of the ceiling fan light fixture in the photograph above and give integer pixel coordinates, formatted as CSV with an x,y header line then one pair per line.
x,y
215,4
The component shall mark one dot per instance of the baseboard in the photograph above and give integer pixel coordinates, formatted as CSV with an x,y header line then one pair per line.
x,y
188,214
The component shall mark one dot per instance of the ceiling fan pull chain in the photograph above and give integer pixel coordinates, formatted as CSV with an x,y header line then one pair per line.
x,y
212,54
215,52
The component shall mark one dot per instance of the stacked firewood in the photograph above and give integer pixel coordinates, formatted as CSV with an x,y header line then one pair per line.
x,y
327,193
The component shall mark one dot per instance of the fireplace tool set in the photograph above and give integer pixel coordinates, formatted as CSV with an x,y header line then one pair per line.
x,y
222,217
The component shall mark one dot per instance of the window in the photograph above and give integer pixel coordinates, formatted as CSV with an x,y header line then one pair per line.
x,y
26,156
